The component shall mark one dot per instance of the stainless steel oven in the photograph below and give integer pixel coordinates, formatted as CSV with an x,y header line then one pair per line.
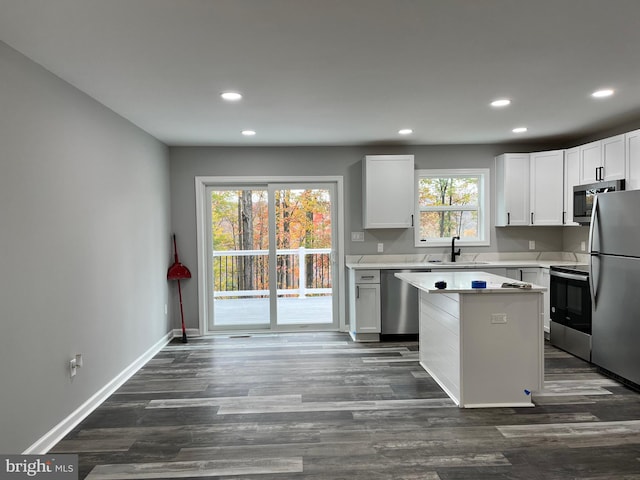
x,y
570,299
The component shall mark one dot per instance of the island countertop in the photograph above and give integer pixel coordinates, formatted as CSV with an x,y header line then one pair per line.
x,y
460,282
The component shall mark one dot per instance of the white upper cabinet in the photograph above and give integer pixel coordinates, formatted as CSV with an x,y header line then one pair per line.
x,y
537,188
512,189
571,179
632,150
547,187
590,161
613,158
387,191
603,160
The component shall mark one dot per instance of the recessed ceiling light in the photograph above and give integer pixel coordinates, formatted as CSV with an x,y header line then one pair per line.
x,y
501,102
231,96
606,92
519,130
405,131
248,133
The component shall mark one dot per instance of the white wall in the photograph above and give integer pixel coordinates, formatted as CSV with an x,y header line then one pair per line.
x,y
188,162
84,247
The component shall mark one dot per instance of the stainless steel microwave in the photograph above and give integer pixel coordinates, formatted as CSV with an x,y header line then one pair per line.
x,y
584,196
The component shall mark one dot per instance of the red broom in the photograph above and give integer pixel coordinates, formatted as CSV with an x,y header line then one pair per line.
x,y
178,272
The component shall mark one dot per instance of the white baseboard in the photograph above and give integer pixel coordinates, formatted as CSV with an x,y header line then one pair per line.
x,y
57,433
191,332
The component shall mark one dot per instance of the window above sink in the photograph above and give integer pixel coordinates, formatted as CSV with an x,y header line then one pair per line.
x,y
452,202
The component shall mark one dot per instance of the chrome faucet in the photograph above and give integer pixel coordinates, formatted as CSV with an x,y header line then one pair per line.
x,y
454,252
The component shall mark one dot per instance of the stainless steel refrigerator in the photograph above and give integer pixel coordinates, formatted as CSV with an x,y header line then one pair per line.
x,y
614,241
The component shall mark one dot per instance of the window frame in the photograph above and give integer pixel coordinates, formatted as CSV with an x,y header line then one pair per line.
x,y
484,205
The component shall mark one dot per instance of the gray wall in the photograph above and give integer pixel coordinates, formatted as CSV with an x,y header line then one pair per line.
x,y
188,162
572,237
85,246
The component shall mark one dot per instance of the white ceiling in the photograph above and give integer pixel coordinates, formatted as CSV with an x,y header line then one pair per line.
x,y
342,72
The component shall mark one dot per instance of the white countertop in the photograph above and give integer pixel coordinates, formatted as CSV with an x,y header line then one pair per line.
x,y
457,265
460,282
468,261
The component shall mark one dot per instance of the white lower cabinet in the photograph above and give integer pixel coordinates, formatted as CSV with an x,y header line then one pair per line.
x,y
495,271
364,307
529,274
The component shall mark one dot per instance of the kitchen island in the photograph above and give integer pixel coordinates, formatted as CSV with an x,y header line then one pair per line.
x,y
484,346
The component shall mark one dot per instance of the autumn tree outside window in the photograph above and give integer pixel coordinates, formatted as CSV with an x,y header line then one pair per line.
x,y
452,203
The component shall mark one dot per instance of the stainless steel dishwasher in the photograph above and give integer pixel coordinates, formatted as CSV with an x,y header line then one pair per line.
x,y
398,304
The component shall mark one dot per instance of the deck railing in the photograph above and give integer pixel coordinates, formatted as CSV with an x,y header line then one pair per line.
x,y
245,273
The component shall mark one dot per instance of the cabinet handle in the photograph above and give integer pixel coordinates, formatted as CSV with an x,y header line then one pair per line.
x,y
367,277
357,291
508,218
412,219
531,218
564,214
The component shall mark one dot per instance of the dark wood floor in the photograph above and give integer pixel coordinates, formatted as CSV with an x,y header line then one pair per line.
x,y
317,406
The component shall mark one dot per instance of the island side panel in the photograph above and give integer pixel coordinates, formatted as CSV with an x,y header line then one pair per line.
x,y
440,340
502,347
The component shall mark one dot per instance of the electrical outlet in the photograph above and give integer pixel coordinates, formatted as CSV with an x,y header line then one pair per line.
x,y
583,246
79,361
532,244
498,318
380,247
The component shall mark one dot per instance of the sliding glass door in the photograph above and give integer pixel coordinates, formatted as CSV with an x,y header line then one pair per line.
x,y
271,251
303,255
239,253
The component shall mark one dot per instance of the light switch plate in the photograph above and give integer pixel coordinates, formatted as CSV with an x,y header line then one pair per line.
x,y
357,236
